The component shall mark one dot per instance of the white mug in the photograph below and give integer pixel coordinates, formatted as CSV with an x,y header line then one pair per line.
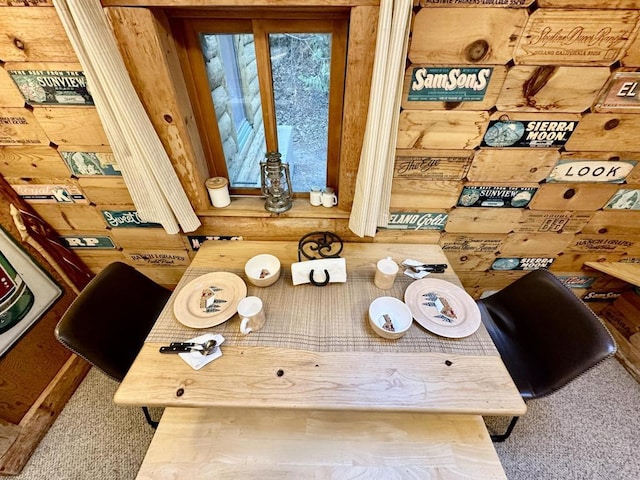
x,y
252,315
329,199
315,197
386,271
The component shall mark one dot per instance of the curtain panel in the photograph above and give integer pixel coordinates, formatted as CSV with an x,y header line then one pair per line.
x,y
375,173
146,168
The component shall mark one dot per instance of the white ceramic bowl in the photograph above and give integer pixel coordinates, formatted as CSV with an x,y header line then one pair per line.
x,y
394,309
262,270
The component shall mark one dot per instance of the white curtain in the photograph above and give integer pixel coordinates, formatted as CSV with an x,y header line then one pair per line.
x,y
146,168
375,173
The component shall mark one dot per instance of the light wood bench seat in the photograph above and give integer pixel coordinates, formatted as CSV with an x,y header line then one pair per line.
x,y
228,443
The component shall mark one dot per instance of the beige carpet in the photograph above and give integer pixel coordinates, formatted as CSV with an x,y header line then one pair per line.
x,y
588,431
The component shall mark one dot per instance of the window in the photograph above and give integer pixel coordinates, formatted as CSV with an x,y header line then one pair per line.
x,y
264,82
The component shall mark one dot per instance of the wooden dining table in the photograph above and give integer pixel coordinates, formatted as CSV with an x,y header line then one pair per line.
x,y
317,356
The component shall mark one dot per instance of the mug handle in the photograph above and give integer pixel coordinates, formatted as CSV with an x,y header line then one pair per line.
x,y
335,199
243,326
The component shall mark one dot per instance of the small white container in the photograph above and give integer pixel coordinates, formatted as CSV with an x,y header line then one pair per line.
x,y
218,188
385,310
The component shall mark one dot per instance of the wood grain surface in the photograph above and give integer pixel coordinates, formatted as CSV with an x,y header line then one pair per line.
x,y
237,443
270,377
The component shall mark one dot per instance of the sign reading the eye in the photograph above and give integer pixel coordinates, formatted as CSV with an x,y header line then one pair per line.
x,y
518,134
449,84
432,167
525,263
50,87
496,196
591,171
577,281
417,221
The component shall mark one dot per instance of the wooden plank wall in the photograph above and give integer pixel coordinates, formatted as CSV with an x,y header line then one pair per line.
x,y
513,94
542,67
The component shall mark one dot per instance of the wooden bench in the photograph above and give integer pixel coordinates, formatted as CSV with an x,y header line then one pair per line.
x,y
230,443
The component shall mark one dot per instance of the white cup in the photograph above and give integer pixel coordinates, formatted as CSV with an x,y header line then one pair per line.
x,y
329,198
386,271
251,314
315,196
218,188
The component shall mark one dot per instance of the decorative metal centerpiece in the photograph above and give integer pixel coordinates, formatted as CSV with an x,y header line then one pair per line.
x,y
275,183
317,245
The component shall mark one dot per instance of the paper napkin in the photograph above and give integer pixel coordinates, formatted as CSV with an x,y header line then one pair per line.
x,y
195,359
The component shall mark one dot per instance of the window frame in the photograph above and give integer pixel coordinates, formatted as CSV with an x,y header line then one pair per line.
x,y
186,27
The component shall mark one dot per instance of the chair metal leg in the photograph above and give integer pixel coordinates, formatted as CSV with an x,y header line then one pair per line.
x,y
151,422
501,437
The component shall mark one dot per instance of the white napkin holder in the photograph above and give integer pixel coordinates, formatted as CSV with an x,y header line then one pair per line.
x,y
336,269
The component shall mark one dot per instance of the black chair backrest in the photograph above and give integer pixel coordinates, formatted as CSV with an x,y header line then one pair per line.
x,y
110,319
545,334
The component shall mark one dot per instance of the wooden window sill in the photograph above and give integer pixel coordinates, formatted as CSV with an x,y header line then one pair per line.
x,y
254,207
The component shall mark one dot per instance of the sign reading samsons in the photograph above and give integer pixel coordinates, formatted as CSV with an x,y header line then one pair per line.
x,y
449,84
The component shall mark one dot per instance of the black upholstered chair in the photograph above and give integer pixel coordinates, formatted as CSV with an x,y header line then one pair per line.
x,y
110,319
545,334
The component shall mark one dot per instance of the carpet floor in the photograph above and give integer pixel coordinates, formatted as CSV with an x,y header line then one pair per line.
x,y
590,430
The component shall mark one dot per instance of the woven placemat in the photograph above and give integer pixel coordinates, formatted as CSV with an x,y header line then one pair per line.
x,y
324,319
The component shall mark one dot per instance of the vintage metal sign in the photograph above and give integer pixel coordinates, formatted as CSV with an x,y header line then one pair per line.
x,y
91,163
98,242
596,244
50,193
463,3
575,37
624,199
463,243
525,263
518,134
543,222
417,221
496,196
126,219
591,171
51,87
600,296
197,240
160,259
432,168
26,291
449,84
577,281
19,127
623,92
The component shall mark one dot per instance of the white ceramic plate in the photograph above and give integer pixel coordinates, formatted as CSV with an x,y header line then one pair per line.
x,y
442,307
209,300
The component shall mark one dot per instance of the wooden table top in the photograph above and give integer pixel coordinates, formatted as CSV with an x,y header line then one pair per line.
x,y
269,377
629,272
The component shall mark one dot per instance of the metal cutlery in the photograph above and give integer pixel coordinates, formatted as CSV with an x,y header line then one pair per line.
x,y
179,347
427,267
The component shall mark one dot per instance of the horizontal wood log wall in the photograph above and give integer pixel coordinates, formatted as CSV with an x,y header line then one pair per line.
x,y
443,144
551,61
